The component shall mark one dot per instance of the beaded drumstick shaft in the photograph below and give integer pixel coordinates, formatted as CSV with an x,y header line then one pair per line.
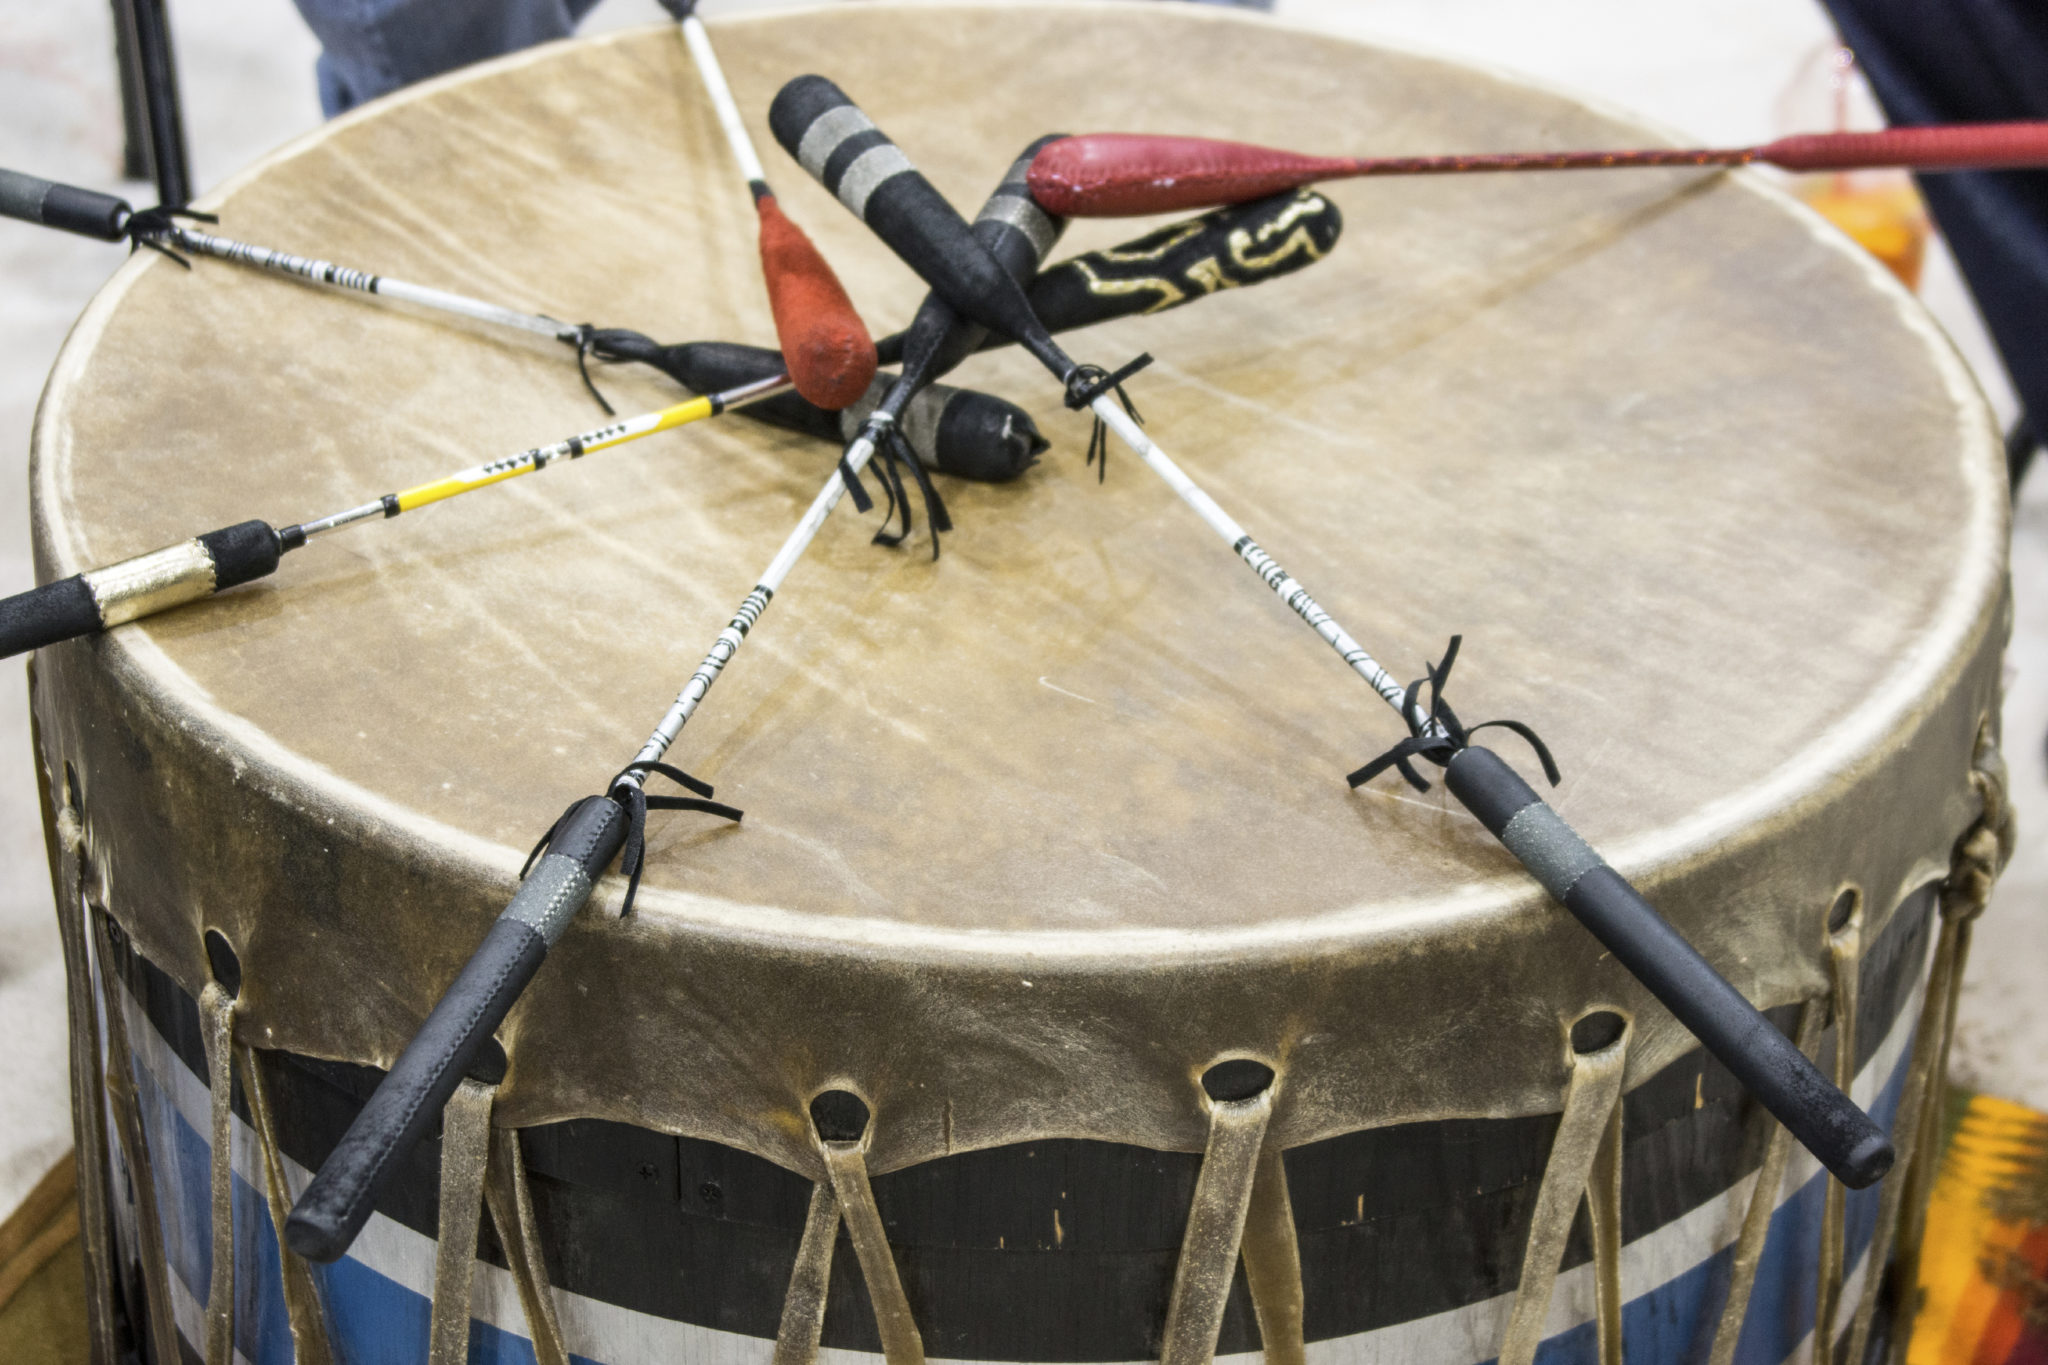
x,y
100,599
456,1037
812,118
1108,175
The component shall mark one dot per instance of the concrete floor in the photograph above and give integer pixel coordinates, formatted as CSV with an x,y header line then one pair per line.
x,y
1713,68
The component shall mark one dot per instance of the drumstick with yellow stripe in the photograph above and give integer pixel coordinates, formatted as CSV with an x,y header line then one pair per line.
x,y
100,599
554,886
812,118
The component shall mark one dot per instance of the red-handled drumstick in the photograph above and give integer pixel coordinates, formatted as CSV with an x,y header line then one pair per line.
x,y
1118,175
908,213
825,344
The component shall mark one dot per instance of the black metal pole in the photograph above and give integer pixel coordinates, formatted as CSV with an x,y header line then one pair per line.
x,y
149,88
134,105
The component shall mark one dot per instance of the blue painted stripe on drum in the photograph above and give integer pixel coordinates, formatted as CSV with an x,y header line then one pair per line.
x,y
376,1304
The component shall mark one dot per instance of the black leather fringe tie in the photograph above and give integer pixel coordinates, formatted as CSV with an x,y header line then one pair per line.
x,y
145,227
892,455
636,803
1084,386
1439,734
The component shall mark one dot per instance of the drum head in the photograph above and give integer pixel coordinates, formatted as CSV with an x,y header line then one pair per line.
x,y
1715,507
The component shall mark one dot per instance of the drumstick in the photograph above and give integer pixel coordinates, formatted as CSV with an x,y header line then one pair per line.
x,y
100,599
924,230
1017,234
963,432
1230,248
582,844
823,339
1114,175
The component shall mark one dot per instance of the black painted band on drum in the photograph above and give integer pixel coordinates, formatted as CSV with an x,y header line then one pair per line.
x,y
67,207
1824,1120
408,1101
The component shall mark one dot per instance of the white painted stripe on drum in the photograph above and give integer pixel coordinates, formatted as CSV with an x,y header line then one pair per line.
x,y
869,172
189,1316
1471,1333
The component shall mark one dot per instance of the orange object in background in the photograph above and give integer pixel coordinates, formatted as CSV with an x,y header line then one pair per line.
x,y
1879,209
1984,1257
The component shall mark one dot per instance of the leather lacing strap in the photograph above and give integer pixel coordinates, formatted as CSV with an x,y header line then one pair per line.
x,y
636,802
584,339
144,228
465,1162
893,454
217,1034
1085,384
1439,734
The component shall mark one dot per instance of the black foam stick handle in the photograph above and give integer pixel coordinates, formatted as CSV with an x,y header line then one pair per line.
x,y
408,1101
1232,248
845,152
100,599
86,212
962,432
242,553
1824,1120
63,610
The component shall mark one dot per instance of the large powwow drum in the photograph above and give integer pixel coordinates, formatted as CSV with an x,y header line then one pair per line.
x,y
1056,1000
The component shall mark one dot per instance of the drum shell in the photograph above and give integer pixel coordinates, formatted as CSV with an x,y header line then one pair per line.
x,y
1410,1236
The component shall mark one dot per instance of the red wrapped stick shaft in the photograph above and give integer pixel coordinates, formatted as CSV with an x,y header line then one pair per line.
x,y
1115,175
1941,147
